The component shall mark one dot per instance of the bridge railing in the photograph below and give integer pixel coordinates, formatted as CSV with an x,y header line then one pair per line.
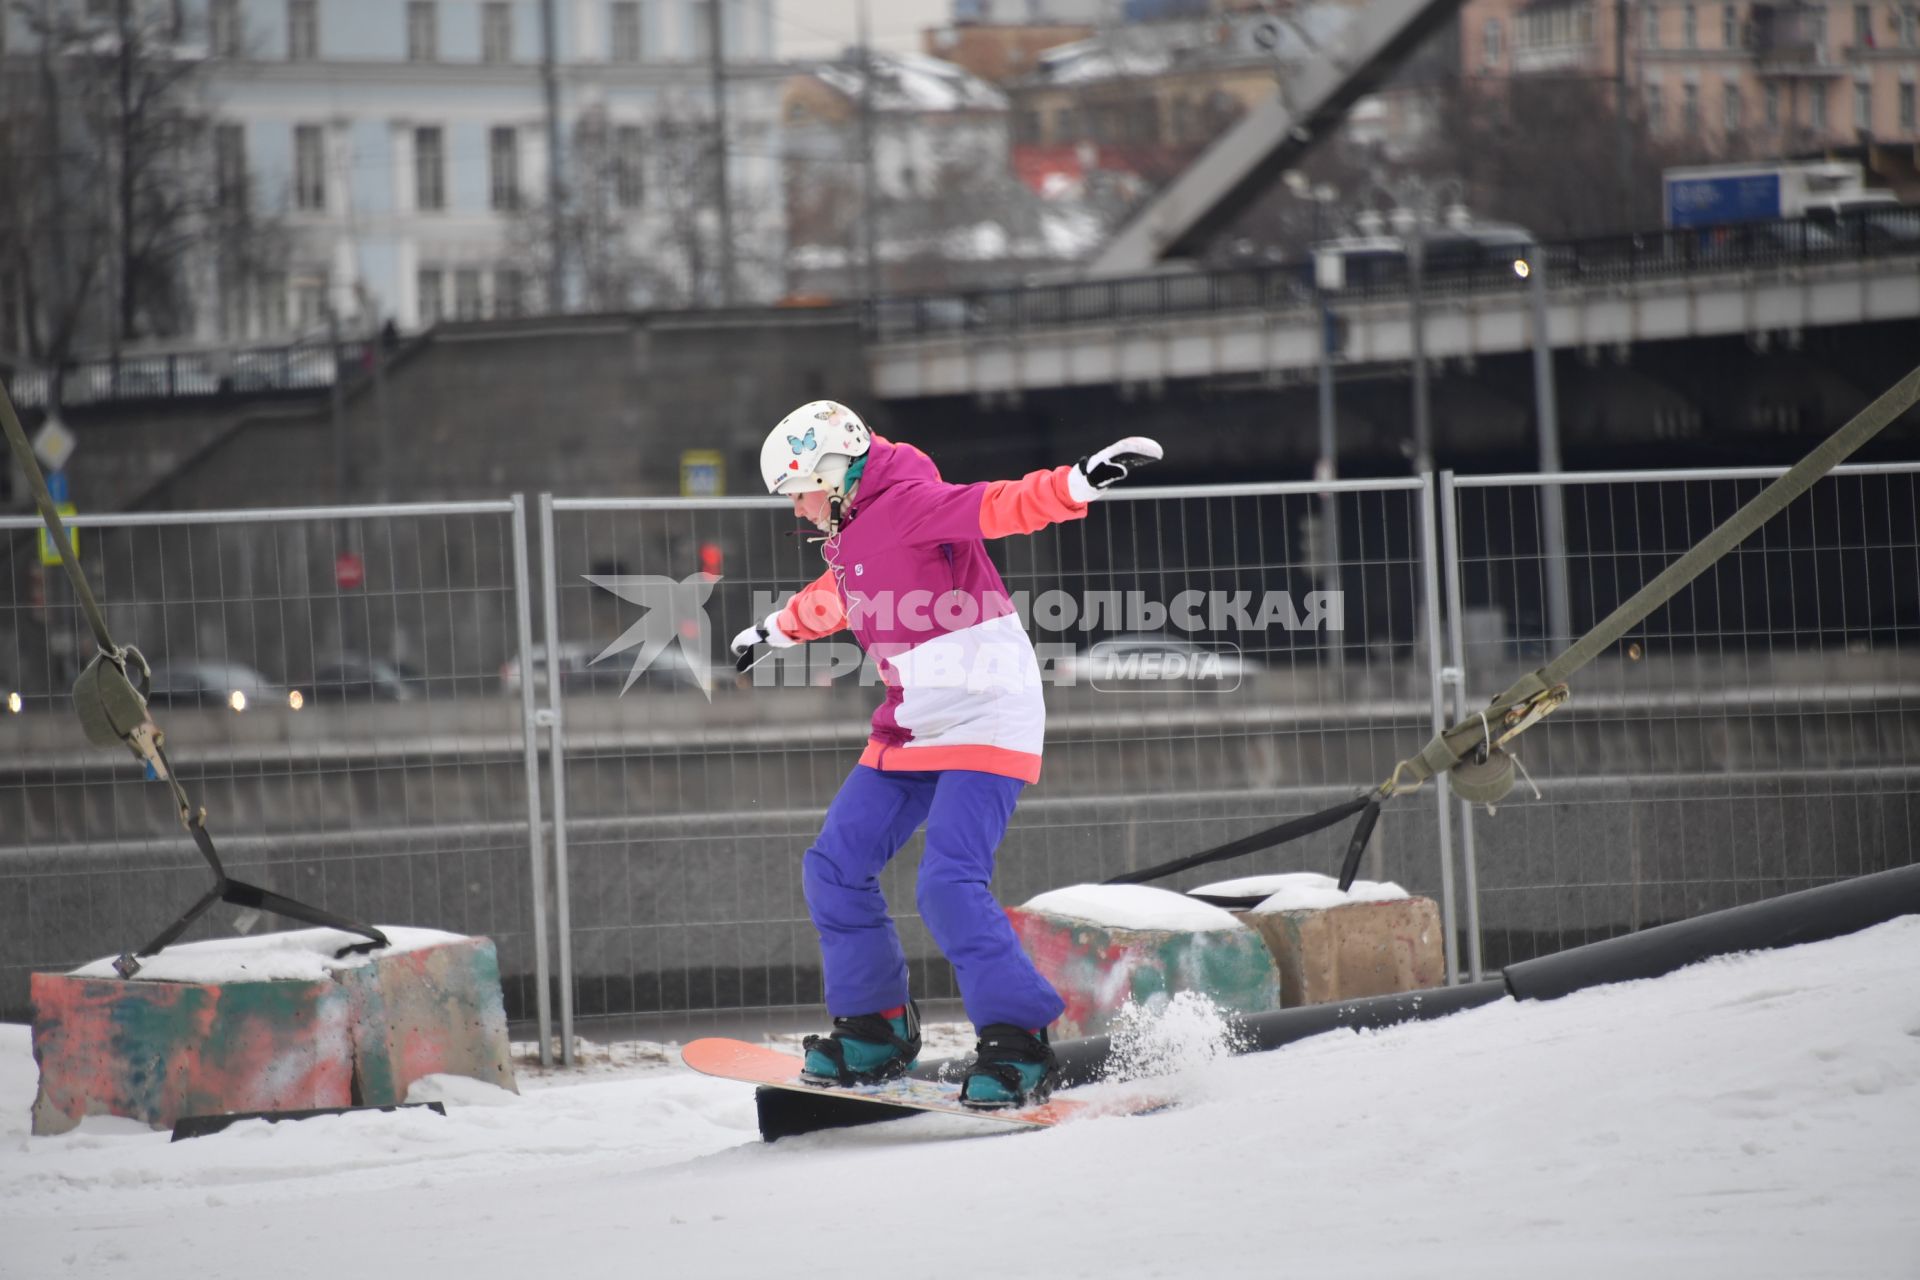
x,y
168,375
1611,259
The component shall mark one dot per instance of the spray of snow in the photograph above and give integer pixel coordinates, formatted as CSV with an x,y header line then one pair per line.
x,y
1170,1037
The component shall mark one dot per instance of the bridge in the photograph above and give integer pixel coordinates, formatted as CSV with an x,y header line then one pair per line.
x,y
1768,282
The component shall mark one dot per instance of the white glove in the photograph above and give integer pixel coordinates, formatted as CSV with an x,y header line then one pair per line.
x,y
1110,466
767,633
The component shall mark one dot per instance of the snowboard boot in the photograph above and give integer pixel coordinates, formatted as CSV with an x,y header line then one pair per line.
x,y
1012,1067
865,1050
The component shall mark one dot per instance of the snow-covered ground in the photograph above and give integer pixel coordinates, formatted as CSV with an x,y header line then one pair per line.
x,y
1756,1116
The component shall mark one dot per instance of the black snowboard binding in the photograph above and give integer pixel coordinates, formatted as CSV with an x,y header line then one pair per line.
x,y
1012,1067
864,1050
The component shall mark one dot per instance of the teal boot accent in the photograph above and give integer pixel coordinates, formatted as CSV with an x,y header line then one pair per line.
x,y
864,1050
1012,1067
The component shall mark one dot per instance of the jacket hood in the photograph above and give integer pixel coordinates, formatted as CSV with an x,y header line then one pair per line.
x,y
889,464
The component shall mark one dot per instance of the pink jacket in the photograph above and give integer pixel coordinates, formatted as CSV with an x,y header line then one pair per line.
x,y
910,576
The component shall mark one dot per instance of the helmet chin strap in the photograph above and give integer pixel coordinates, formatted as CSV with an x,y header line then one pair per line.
x,y
835,504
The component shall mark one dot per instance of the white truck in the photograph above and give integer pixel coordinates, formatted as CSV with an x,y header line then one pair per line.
x,y
1720,195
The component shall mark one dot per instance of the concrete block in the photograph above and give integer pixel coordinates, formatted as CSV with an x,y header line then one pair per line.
x,y
266,1024
1099,967
1358,949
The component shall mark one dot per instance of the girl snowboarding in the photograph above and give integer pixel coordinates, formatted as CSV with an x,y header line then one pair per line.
x,y
956,738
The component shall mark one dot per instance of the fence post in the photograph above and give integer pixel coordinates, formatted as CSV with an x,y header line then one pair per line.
x,y
1430,592
557,761
529,733
1455,674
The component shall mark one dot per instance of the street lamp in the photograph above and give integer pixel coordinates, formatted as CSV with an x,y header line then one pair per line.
x,y
1410,225
1414,206
1553,539
1327,468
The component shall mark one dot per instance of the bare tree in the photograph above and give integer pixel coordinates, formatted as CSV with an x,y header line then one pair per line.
x,y
104,118
637,226
1543,151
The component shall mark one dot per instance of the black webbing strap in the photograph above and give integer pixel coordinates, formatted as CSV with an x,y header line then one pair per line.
x,y
111,707
1292,829
1362,832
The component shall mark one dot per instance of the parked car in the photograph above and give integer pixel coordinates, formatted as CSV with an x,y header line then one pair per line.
x,y
580,674
354,677
216,684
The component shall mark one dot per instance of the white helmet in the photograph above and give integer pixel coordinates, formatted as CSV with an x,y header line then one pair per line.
x,y
811,448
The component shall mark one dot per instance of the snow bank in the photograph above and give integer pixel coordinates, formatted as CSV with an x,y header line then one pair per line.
x,y
1301,891
305,955
1579,1138
1133,906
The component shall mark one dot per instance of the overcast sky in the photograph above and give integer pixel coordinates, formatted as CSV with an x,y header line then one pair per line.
x,y
822,28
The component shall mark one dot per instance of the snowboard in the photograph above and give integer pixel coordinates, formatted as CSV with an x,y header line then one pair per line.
x,y
757,1064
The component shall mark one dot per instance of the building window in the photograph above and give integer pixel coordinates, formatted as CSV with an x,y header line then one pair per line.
x,y
466,294
230,166
1910,28
429,282
309,301
503,153
1730,27
1817,107
1490,44
309,168
423,31
1817,24
1906,106
303,31
1656,109
429,169
1690,108
1862,27
1730,108
1650,21
509,292
623,27
496,32
1772,99
699,29
1689,28
223,28
629,157
1863,106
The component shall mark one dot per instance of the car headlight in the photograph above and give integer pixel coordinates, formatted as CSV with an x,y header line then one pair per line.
x,y
237,700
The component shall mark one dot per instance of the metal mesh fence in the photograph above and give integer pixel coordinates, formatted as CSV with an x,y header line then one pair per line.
x,y
1758,734
1219,659
1169,728
331,687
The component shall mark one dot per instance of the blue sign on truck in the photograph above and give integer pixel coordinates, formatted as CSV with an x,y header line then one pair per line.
x,y
1708,201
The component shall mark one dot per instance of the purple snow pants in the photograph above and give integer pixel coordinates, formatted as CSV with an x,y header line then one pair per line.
x,y
872,817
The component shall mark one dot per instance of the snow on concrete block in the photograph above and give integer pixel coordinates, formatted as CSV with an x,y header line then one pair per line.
x,y
1103,946
273,1023
1329,946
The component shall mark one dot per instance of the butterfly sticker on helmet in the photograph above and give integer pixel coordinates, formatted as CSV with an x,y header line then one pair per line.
x,y
802,443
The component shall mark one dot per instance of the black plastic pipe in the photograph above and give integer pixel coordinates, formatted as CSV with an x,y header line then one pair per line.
x,y
1811,915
